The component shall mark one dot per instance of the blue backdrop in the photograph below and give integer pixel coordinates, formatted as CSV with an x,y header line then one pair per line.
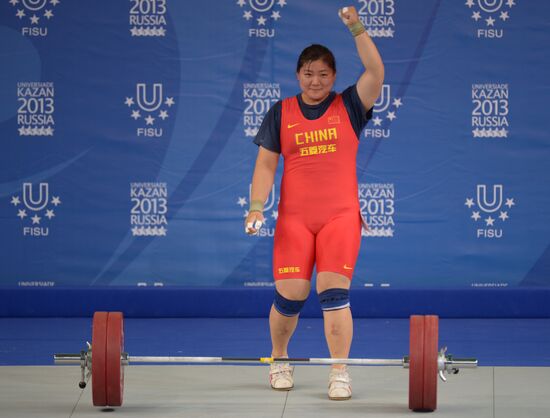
x,y
127,132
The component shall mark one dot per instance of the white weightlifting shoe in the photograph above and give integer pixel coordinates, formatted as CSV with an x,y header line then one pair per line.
x,y
339,385
280,376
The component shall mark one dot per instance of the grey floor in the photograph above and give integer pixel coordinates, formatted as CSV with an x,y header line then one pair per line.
x,y
242,391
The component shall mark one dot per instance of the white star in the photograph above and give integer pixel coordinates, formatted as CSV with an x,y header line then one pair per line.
x,y
56,201
163,114
245,213
391,116
54,2
169,101
135,114
241,202
281,3
36,219
149,120
15,200
261,20
377,121
275,15
251,131
490,21
49,214
129,101
20,14
510,202
510,3
503,215
476,16
275,214
162,32
48,14
490,221
14,2
34,19
241,3
134,31
397,103
504,16
162,231
475,216
470,3
247,15
22,213
469,202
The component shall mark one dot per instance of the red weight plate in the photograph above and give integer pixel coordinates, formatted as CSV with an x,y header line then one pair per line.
x,y
416,362
114,368
431,331
99,344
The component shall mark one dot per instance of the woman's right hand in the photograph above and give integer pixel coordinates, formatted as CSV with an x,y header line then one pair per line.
x,y
253,222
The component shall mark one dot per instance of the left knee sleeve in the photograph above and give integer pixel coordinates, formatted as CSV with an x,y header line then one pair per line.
x,y
334,299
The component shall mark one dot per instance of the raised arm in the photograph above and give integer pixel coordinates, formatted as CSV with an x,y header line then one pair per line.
x,y
369,84
262,181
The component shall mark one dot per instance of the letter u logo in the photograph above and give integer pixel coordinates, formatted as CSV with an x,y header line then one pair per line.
x,y
29,198
490,6
34,4
383,101
483,201
142,98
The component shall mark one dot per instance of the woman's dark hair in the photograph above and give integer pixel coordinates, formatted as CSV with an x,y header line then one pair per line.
x,y
316,52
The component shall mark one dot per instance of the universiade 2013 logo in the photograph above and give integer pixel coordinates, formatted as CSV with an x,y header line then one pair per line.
x,y
36,209
34,15
149,105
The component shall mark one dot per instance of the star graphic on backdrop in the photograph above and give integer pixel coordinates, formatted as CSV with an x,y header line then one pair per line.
x,y
490,21
510,3
163,114
275,214
36,220
135,114
14,2
510,202
281,3
475,216
149,120
22,213
391,116
20,14
169,101
15,200
54,2
397,103
261,20
469,202
161,31
50,214
377,121
129,101
247,15
48,14
476,16
242,202
503,215
241,2
470,3
275,15
56,201
504,16
134,31
34,19
490,221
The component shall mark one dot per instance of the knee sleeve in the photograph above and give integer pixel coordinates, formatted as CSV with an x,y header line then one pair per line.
x,y
334,299
287,307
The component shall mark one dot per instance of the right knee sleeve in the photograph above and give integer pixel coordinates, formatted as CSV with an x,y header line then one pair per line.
x,y
287,307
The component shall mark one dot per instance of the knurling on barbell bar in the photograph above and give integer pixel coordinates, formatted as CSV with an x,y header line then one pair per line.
x,y
106,358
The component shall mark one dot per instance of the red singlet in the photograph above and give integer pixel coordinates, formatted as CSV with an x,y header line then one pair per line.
x,y
319,220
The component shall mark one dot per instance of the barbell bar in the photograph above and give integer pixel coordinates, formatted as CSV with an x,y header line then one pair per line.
x,y
105,360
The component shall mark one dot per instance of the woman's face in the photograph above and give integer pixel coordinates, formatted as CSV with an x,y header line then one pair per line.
x,y
316,80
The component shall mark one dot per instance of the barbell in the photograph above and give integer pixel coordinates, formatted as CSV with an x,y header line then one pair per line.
x,y
105,360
